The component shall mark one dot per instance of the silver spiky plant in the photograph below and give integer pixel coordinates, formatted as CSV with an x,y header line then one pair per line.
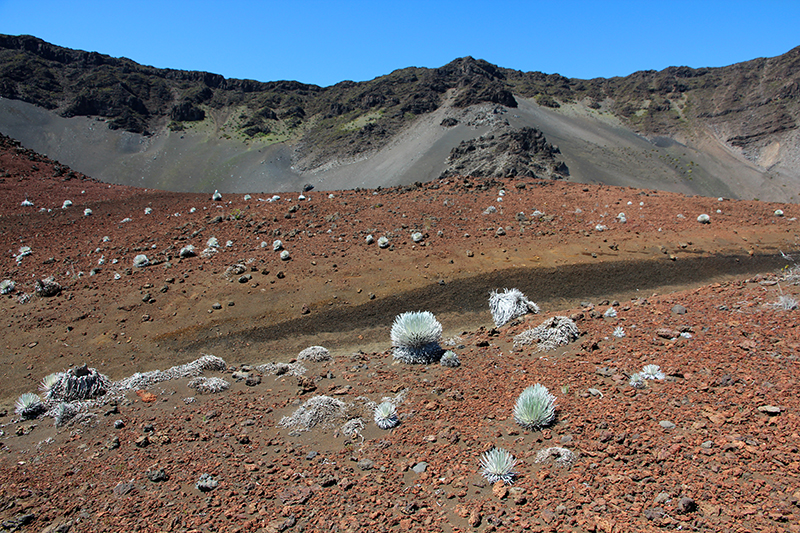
x,y
508,305
535,407
637,381
652,372
29,405
48,381
498,465
450,359
619,332
415,337
386,415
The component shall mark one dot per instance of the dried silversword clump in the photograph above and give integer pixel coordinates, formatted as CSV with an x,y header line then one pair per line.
x,y
508,305
560,456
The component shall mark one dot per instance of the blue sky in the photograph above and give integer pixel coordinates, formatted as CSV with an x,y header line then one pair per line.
x,y
324,42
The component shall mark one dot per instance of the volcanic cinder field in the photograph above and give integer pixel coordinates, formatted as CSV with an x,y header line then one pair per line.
x,y
712,446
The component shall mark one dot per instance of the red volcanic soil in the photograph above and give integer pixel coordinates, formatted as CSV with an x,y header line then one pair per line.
x,y
711,447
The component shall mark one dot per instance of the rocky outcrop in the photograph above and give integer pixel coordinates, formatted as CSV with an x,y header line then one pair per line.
x,y
507,152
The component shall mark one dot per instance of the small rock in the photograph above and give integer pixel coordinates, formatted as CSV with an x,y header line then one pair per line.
x,y
771,410
216,305
252,381
663,497
157,475
123,488
119,424
666,424
474,518
499,490
142,441
113,443
679,310
365,464
517,495
686,505
206,483
420,467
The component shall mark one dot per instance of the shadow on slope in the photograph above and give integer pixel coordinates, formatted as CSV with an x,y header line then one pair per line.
x,y
463,303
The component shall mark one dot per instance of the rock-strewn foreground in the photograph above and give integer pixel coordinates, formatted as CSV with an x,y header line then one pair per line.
x,y
711,447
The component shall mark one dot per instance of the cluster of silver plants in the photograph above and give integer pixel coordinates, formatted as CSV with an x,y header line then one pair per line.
x,y
205,385
652,372
78,383
63,412
28,405
450,359
560,456
550,334
143,380
498,465
610,313
535,407
324,411
316,354
508,305
415,337
281,369
141,261
386,415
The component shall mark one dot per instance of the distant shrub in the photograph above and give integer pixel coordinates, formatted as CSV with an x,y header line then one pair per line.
x,y
415,337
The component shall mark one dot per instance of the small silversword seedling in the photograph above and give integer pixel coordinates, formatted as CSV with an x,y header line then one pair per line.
x,y
637,381
450,359
535,407
498,465
619,332
652,372
386,415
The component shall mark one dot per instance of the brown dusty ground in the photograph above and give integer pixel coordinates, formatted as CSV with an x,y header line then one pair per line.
x,y
738,464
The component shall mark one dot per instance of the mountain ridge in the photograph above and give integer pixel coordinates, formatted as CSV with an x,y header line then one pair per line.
x,y
744,117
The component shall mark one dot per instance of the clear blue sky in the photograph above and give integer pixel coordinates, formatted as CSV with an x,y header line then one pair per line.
x,y
324,42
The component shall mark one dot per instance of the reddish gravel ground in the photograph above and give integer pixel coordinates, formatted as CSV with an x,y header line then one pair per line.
x,y
711,447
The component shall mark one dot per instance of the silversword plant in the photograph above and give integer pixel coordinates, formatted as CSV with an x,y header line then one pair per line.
x,y
535,407
29,405
415,337
652,372
386,415
498,465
